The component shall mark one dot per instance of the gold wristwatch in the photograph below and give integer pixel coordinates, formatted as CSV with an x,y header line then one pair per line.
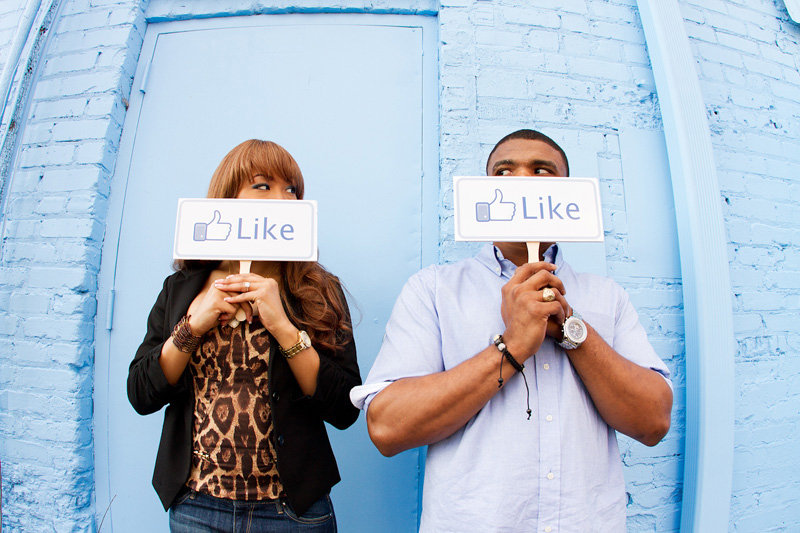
x,y
303,342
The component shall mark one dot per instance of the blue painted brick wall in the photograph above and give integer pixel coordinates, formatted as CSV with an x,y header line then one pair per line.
x,y
748,57
54,226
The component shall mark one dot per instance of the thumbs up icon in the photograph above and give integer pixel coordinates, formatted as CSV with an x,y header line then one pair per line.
x,y
216,230
497,209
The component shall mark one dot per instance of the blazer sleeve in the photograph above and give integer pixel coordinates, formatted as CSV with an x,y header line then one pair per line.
x,y
148,388
338,373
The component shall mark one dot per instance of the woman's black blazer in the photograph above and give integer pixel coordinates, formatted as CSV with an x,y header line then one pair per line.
x,y
304,457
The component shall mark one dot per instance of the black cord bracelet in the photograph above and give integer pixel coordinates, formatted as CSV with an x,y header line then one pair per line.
x,y
505,354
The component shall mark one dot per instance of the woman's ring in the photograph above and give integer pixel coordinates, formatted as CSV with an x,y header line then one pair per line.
x,y
548,295
246,286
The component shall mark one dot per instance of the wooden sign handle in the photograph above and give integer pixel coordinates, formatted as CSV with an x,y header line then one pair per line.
x,y
533,252
244,268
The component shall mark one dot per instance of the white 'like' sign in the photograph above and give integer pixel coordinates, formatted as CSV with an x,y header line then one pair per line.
x,y
525,209
249,230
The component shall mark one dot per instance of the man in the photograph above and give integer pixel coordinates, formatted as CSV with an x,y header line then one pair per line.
x,y
443,379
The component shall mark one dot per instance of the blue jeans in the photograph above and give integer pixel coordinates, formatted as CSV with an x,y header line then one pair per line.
x,y
195,512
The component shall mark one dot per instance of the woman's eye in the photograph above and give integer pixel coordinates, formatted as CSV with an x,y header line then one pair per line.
x,y
291,189
260,186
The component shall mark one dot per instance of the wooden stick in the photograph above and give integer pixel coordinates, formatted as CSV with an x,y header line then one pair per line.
x,y
244,268
533,251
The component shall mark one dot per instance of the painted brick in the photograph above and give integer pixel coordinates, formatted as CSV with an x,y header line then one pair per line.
x,y
41,403
95,152
81,61
57,329
70,179
39,353
59,108
76,85
58,380
740,44
86,203
544,18
25,303
74,41
570,6
102,105
74,278
701,32
80,129
502,83
81,228
32,156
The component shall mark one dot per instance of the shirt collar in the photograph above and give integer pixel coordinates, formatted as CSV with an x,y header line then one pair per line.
x,y
492,258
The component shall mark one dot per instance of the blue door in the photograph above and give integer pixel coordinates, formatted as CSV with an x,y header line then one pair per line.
x,y
353,98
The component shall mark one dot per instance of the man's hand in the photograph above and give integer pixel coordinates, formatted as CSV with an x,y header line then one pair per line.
x,y
525,313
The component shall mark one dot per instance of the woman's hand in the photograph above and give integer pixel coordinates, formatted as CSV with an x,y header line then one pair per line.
x,y
263,294
210,309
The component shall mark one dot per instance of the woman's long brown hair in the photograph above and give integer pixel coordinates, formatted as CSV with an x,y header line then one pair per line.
x,y
311,295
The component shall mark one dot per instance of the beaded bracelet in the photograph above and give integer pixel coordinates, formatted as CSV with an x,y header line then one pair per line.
x,y
183,338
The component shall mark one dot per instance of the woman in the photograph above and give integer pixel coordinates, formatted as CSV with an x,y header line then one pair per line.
x,y
243,436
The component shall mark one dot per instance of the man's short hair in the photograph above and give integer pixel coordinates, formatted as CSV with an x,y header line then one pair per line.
x,y
531,135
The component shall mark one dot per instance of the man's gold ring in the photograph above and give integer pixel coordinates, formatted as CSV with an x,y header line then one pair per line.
x,y
548,295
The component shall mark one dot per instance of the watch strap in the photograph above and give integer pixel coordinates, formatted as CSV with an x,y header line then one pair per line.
x,y
298,347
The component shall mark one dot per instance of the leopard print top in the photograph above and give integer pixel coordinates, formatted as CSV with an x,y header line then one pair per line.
x,y
232,452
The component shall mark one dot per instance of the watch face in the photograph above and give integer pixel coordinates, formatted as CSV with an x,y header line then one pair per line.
x,y
305,338
575,330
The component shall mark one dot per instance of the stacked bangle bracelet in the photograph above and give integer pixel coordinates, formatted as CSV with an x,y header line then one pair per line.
x,y
183,338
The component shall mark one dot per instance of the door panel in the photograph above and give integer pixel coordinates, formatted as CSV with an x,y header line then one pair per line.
x,y
352,99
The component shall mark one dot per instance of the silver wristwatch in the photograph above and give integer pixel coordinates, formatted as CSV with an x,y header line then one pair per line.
x,y
574,331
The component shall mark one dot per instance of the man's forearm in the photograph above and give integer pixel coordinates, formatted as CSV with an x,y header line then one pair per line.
x,y
631,399
422,410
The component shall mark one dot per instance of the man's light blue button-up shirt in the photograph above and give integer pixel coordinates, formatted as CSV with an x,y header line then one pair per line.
x,y
558,471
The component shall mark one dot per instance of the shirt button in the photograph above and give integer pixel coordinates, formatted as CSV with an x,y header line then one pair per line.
x,y
549,418
280,443
547,366
550,475
276,396
548,529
